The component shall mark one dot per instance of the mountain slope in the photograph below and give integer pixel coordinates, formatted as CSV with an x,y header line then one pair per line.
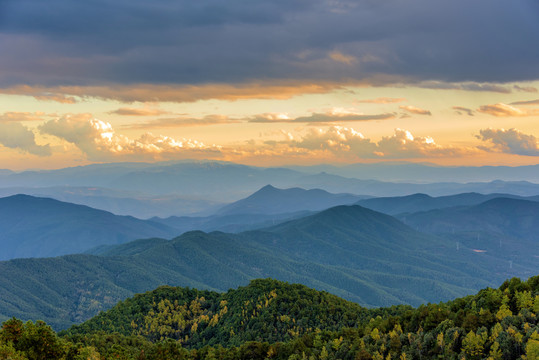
x,y
119,202
276,320
504,227
196,318
228,223
272,311
40,227
352,252
514,217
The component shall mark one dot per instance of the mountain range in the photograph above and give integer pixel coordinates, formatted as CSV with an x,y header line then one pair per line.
x,y
270,200
197,187
41,227
422,202
502,226
427,172
121,202
34,226
359,254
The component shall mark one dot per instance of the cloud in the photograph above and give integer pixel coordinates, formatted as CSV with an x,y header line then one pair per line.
x,y
415,110
465,86
42,93
344,141
14,135
63,99
528,102
342,116
98,140
459,110
192,42
138,112
22,116
280,90
402,144
271,118
504,110
381,100
529,89
511,141
336,139
185,121
342,58
334,115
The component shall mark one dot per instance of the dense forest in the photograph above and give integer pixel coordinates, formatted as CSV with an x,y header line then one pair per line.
x,y
269,319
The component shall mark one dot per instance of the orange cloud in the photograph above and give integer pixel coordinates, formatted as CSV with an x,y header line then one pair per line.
x,y
504,110
63,99
23,116
14,135
99,141
415,110
511,141
344,141
342,58
138,112
182,93
382,100
185,121
402,144
331,116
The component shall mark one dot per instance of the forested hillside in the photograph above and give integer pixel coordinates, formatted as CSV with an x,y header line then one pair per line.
x,y
274,320
352,252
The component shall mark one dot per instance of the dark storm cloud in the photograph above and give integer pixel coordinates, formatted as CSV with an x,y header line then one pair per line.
x,y
61,42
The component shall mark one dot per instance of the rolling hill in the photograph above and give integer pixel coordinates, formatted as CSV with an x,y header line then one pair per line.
x,y
287,309
353,252
277,320
504,227
41,227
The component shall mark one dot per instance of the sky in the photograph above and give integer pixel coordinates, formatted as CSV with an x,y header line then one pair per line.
x,y
269,83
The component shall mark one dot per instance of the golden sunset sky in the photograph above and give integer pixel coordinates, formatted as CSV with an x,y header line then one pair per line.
x,y
269,83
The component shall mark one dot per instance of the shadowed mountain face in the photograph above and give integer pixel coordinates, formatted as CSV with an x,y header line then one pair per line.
x,y
512,217
503,227
40,227
353,252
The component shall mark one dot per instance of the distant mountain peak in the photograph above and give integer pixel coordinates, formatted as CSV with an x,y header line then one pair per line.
x,y
268,187
271,200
